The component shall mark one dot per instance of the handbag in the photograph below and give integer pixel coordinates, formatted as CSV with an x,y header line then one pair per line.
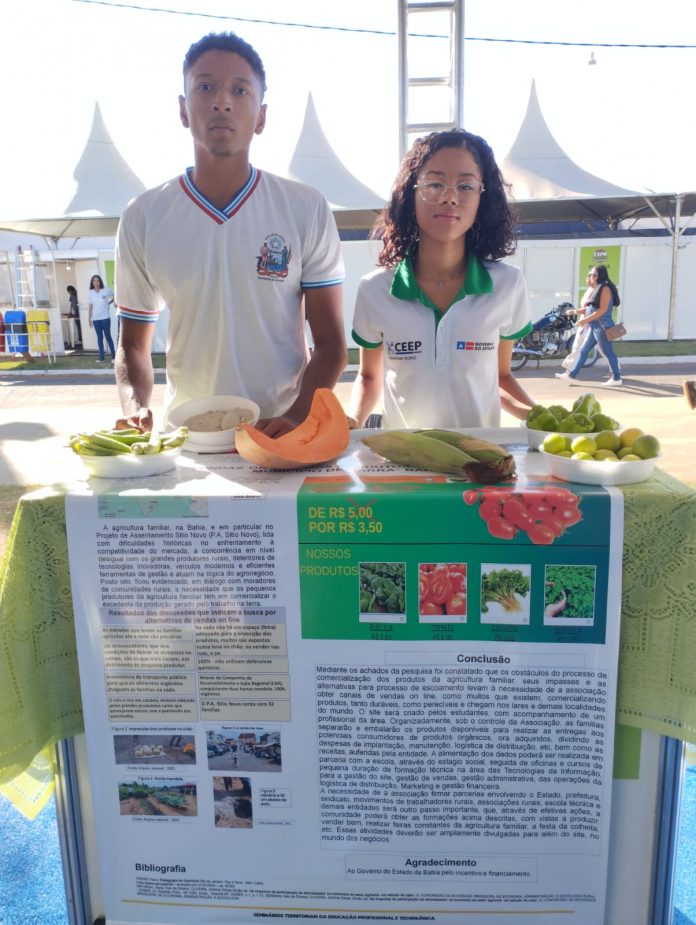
x,y
616,331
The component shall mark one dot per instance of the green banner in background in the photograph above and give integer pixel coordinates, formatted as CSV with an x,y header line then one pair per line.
x,y
594,255
109,273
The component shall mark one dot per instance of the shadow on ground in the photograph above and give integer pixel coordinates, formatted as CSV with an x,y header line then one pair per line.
x,y
26,430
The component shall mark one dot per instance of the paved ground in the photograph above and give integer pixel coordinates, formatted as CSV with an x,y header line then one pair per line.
x,y
38,412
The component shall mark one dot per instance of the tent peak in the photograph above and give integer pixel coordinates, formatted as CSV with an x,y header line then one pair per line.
x,y
105,182
537,167
316,163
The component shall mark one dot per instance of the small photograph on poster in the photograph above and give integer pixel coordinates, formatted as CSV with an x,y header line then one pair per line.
x,y
157,797
155,749
569,595
382,592
244,748
505,593
232,800
442,592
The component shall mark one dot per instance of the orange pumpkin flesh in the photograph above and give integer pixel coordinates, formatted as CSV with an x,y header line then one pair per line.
x,y
322,436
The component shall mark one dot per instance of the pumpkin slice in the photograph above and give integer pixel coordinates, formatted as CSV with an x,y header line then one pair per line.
x,y
322,436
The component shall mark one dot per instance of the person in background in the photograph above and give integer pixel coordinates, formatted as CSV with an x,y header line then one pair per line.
x,y
240,257
100,300
437,323
74,312
603,301
580,333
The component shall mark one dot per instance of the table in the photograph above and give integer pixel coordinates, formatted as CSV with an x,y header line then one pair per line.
x,y
39,686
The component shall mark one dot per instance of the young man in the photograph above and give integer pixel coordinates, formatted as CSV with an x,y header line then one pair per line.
x,y
232,252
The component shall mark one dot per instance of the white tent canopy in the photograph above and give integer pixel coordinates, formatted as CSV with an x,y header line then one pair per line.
x,y
315,163
536,167
103,186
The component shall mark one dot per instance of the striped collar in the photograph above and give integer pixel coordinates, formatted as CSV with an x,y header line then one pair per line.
x,y
219,215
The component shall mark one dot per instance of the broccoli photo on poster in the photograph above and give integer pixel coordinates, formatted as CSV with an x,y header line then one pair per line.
x,y
383,589
569,594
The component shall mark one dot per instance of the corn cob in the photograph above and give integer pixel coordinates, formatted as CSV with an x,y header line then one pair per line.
x,y
495,464
418,452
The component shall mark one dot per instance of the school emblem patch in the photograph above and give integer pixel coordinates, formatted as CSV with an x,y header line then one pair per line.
x,y
274,257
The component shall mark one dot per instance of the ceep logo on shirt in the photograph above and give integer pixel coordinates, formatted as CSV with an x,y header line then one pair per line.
x,y
404,349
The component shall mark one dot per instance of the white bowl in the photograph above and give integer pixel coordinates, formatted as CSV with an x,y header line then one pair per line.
x,y
212,441
130,466
536,437
599,472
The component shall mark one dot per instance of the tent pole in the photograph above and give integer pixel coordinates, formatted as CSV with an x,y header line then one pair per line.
x,y
402,30
675,257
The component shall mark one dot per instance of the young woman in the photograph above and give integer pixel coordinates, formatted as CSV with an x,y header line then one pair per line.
x,y
603,301
437,323
99,316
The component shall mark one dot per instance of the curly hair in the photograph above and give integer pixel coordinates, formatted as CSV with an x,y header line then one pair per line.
x,y
493,235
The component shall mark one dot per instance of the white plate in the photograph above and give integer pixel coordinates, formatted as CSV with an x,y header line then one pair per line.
x,y
211,441
596,472
130,466
536,437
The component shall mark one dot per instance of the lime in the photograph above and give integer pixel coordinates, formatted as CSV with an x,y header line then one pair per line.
x,y
624,451
605,454
565,453
646,446
582,455
631,457
555,443
629,435
608,440
584,444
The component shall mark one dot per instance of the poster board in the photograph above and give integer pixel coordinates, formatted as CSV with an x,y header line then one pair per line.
x,y
264,743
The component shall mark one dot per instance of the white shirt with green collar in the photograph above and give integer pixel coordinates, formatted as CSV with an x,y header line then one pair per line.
x,y
441,369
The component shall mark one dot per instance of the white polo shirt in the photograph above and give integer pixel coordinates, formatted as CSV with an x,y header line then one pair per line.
x,y
441,369
233,281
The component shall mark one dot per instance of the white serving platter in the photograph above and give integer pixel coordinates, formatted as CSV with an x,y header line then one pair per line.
x,y
599,472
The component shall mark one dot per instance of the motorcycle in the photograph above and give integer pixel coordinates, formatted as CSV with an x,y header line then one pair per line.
x,y
553,335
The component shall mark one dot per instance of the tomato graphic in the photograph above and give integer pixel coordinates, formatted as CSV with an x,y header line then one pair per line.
x,y
440,586
540,534
456,605
503,529
430,609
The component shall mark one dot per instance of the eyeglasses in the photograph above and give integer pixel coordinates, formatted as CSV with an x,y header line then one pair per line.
x,y
433,191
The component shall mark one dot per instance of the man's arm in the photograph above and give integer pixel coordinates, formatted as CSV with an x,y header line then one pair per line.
x,y
324,313
134,372
513,397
